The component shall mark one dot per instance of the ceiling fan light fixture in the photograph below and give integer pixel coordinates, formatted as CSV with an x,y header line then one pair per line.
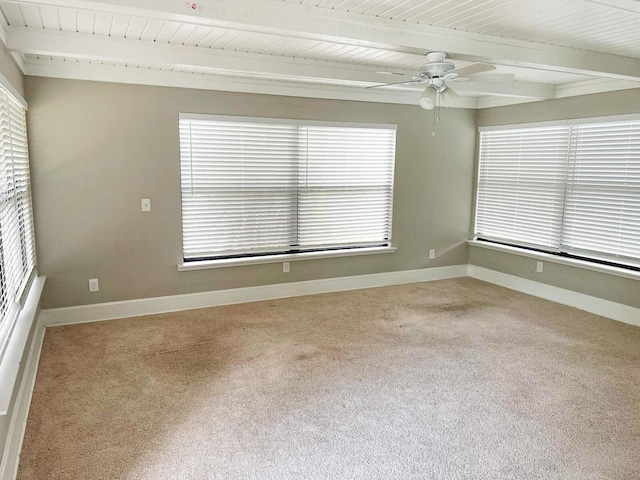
x,y
428,99
448,96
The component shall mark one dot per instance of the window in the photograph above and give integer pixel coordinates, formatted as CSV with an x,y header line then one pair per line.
x,y
259,186
17,252
569,188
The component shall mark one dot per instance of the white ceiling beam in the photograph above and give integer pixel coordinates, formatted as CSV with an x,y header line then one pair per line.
x,y
166,78
587,87
308,21
87,46
506,89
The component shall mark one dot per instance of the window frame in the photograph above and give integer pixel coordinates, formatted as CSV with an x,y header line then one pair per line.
x,y
602,260
290,254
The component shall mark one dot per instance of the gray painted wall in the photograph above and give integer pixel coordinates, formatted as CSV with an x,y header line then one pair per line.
x,y
98,148
609,287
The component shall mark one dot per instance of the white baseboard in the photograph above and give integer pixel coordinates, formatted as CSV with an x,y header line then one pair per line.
x,y
148,306
599,306
15,434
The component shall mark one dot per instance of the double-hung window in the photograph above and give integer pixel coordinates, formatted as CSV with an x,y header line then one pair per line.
x,y
256,187
570,188
17,252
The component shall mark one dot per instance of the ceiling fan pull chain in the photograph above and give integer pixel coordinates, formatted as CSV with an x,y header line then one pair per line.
x,y
436,113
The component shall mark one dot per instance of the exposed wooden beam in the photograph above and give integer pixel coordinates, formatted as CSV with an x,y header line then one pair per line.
x,y
308,21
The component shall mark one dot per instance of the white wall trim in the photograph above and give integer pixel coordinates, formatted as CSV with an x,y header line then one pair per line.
x,y
148,306
15,434
599,306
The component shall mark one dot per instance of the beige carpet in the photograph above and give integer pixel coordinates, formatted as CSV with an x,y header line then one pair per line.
x,y
455,379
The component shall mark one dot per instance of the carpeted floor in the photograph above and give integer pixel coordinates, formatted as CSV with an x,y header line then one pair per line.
x,y
455,379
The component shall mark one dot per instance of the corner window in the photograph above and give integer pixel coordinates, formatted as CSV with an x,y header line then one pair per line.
x,y
570,188
254,187
17,251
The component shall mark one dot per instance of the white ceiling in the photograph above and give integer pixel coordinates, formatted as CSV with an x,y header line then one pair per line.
x,y
331,48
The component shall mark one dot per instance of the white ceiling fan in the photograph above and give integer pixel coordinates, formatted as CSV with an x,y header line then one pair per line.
x,y
438,74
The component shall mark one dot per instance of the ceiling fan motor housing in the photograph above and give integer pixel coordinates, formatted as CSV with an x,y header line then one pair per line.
x,y
436,69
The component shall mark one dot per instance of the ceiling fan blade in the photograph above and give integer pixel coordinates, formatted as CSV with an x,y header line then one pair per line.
x,y
456,79
409,82
473,69
394,73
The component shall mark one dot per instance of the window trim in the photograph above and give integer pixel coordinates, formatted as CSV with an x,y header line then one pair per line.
x,y
12,359
284,257
536,251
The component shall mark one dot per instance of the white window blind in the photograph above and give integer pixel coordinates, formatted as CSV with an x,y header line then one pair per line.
x,y
602,213
521,182
255,187
573,189
17,252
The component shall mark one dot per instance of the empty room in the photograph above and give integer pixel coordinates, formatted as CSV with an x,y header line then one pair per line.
x,y
319,239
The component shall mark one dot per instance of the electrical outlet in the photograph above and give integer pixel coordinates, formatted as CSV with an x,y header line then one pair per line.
x,y
539,267
146,204
93,285
285,267
432,254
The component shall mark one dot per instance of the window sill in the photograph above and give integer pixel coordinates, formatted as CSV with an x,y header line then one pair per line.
x,y
573,262
285,257
10,362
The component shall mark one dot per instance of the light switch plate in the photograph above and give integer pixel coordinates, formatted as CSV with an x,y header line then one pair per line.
x,y
146,204
93,285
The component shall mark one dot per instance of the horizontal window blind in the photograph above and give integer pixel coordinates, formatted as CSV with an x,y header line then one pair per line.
x,y
572,189
255,188
17,252
238,187
521,182
345,186
602,213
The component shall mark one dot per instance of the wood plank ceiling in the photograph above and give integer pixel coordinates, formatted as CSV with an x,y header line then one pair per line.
x,y
330,48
